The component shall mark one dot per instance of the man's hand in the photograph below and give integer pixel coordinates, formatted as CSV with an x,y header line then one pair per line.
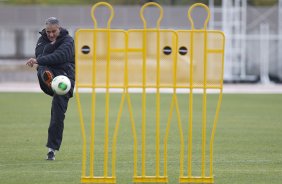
x,y
31,62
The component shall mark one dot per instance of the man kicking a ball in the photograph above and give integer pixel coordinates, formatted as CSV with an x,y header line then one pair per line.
x,y
54,55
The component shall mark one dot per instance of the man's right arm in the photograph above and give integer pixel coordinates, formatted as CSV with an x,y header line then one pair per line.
x,y
39,48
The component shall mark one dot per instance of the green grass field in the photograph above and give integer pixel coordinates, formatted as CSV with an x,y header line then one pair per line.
x,y
248,141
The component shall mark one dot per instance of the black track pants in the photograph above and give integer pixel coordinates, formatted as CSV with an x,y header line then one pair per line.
x,y
58,109
56,127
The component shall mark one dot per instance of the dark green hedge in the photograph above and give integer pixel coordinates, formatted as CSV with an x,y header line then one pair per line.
x,y
132,2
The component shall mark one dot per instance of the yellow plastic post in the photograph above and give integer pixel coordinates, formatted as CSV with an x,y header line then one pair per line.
x,y
111,58
82,82
144,177
203,80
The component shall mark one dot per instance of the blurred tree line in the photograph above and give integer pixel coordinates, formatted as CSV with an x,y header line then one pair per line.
x,y
133,2
217,2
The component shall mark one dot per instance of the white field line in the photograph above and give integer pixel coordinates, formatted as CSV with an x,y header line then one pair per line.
x,y
44,162
227,88
248,171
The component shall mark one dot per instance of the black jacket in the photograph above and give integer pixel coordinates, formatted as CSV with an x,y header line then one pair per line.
x,y
58,56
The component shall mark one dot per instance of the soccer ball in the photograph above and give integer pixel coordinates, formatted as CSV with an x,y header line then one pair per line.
x,y
61,85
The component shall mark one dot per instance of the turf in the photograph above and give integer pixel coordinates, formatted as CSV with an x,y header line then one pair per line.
x,y
248,141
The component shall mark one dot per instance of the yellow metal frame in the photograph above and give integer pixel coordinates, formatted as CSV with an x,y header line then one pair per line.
x,y
159,176
203,178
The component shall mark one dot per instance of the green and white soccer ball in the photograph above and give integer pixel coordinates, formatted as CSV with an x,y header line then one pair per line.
x,y
61,85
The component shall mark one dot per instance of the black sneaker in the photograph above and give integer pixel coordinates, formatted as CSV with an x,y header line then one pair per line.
x,y
50,155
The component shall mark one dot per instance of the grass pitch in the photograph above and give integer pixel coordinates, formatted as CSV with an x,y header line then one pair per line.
x,y
247,149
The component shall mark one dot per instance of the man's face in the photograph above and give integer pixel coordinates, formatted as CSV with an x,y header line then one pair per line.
x,y
52,31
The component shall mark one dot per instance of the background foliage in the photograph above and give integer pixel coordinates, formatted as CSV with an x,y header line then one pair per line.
x,y
130,2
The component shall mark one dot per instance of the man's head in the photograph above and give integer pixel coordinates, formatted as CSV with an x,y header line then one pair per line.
x,y
52,28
